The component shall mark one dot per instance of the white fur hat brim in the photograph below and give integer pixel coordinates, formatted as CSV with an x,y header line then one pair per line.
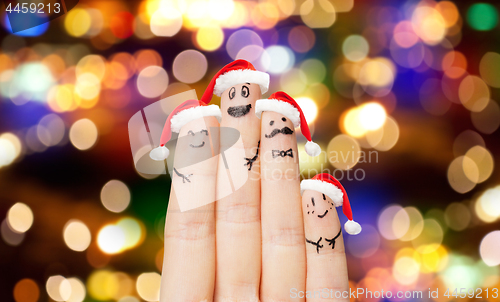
x,y
191,114
335,194
278,106
240,76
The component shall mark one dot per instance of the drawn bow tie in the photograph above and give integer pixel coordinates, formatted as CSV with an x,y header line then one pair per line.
x,y
282,153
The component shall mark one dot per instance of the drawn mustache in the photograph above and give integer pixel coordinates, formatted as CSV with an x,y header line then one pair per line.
x,y
239,111
284,130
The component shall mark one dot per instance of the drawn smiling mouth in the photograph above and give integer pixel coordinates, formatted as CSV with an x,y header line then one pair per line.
x,y
284,130
239,111
321,216
199,146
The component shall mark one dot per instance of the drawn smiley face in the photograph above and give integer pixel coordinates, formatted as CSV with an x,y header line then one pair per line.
x,y
283,128
238,100
200,133
319,205
195,137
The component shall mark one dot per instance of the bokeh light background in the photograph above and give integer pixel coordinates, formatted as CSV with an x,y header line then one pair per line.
x,y
406,90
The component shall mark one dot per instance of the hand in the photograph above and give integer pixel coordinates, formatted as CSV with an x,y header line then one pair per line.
x,y
246,248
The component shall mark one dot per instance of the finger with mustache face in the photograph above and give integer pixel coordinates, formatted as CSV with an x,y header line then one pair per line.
x,y
283,241
283,245
239,111
285,130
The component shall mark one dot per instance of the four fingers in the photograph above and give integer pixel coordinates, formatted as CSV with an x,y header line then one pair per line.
x,y
301,245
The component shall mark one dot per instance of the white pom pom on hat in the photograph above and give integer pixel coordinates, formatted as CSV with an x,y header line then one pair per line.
x,y
159,153
281,102
331,187
186,112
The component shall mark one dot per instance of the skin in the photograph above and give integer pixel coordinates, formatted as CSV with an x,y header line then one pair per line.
x,y
278,260
238,230
283,245
328,268
190,235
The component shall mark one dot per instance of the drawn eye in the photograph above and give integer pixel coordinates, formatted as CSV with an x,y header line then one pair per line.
x,y
204,131
191,132
271,123
283,119
245,92
232,93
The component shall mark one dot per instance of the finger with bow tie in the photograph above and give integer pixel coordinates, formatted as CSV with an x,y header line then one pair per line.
x,y
282,153
282,251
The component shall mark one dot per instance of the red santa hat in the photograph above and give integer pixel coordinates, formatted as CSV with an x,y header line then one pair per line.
x,y
331,187
234,73
186,112
283,103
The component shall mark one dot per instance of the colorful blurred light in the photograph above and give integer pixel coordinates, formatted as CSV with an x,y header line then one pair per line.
x,y
133,230
77,22
314,70
190,66
102,285
265,15
474,93
318,14
293,81
152,81
51,130
83,134
58,288
489,68
488,205
355,48
372,116
309,108
10,148
26,290
404,35
111,239
11,237
390,135
210,38
301,38
482,16
148,286
406,270
281,59
78,291
428,24
220,10
457,177
166,23
389,227
76,235
490,245
122,25
466,140
20,217
484,162
115,196
241,39
343,152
